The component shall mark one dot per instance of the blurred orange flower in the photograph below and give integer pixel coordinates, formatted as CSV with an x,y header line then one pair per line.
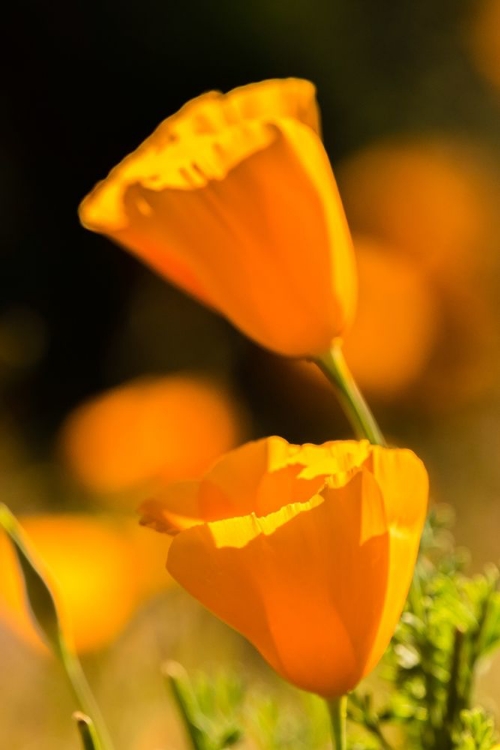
x,y
429,198
484,39
99,569
397,320
307,550
170,427
233,199
423,212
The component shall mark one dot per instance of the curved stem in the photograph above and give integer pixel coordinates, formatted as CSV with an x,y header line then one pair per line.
x,y
333,364
83,694
46,616
337,708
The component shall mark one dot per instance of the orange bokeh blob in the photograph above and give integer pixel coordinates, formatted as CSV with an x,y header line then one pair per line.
x,y
483,36
429,199
169,427
396,324
427,206
100,571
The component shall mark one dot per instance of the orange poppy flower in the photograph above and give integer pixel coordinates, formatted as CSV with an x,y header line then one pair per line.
x,y
307,550
233,199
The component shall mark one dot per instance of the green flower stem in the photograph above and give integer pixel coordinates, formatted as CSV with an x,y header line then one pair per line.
x,y
46,618
333,364
83,695
454,699
337,708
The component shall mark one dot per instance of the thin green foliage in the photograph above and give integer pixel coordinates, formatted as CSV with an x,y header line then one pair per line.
x,y
207,707
450,624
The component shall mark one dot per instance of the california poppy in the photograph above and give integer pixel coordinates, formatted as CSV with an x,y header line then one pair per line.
x,y
307,550
233,199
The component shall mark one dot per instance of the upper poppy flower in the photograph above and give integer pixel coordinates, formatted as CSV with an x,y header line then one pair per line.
x,y
233,199
306,550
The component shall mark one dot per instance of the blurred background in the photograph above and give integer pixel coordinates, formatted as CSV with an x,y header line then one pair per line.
x,y
112,382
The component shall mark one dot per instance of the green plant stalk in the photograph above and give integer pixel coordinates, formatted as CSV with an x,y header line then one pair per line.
x,y
454,699
475,651
83,694
46,618
337,708
333,364
377,732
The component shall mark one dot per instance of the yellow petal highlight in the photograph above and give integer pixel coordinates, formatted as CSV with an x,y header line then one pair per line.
x,y
237,187
306,550
259,477
166,157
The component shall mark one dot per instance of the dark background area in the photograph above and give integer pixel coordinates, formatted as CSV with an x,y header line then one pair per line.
x,y
84,83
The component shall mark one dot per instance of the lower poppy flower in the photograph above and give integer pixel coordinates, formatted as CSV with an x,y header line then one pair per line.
x,y
308,551
234,187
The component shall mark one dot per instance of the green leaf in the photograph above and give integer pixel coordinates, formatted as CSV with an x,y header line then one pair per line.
x,y
188,708
39,596
41,603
